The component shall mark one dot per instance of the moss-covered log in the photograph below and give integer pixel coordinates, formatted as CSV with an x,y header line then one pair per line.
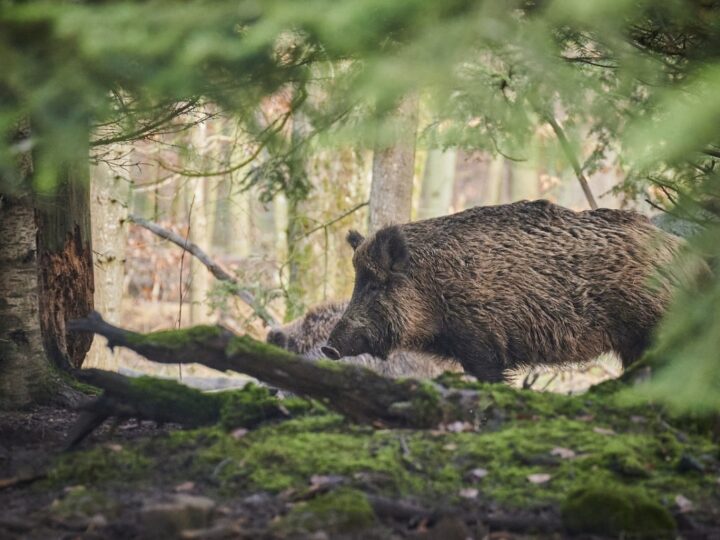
x,y
354,391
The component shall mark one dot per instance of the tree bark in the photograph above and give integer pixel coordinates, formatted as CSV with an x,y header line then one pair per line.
x,y
65,263
298,248
110,195
437,185
393,170
24,368
45,279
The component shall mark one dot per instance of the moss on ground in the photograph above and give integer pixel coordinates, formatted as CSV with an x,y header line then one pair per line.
x,y
79,501
342,511
633,453
617,511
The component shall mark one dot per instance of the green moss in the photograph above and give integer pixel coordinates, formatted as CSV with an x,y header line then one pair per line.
x,y
245,345
82,502
249,407
341,511
615,510
149,393
177,339
77,385
99,465
517,439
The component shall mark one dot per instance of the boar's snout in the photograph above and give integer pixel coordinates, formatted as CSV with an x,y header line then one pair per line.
x,y
330,352
277,337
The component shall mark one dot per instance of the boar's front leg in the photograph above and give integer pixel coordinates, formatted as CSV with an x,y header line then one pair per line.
x,y
483,363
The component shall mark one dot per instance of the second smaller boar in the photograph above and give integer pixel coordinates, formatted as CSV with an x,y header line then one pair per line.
x,y
307,334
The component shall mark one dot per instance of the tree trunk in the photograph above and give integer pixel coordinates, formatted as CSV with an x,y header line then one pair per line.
x,y
299,252
46,279
437,185
199,279
65,263
24,368
393,170
110,194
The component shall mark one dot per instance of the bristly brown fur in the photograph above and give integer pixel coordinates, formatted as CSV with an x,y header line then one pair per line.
x,y
507,286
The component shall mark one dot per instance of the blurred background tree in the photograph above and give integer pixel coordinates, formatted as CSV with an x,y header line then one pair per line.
x,y
249,128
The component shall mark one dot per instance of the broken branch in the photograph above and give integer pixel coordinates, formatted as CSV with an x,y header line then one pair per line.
x,y
214,267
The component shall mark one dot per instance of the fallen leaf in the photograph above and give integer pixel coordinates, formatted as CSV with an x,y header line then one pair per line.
x,y
604,431
562,453
479,473
320,481
185,486
539,478
459,427
684,504
469,493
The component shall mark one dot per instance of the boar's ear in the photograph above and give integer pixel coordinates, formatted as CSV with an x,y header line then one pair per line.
x,y
391,250
354,238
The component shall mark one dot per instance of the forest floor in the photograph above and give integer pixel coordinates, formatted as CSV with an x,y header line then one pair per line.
x,y
541,465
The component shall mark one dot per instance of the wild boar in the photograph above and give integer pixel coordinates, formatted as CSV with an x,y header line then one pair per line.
x,y
508,286
307,334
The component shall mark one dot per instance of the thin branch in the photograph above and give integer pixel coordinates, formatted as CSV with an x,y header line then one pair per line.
x,y
572,158
336,219
146,129
214,267
237,166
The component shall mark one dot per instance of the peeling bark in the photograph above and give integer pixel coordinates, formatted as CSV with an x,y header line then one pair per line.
x,y
66,279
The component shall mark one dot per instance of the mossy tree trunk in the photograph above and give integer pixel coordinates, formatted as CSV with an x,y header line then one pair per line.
x,y
46,278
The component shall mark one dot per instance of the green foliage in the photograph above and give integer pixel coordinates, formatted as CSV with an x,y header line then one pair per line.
x,y
686,357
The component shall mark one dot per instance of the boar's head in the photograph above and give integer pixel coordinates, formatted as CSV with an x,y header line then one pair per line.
x,y
386,306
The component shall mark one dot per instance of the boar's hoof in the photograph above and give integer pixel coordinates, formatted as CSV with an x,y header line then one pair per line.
x,y
331,352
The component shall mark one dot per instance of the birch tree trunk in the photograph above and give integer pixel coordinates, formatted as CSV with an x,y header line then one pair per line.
x,y
110,194
393,170
437,184
46,279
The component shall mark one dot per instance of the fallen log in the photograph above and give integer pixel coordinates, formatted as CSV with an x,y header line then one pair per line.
x,y
356,392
